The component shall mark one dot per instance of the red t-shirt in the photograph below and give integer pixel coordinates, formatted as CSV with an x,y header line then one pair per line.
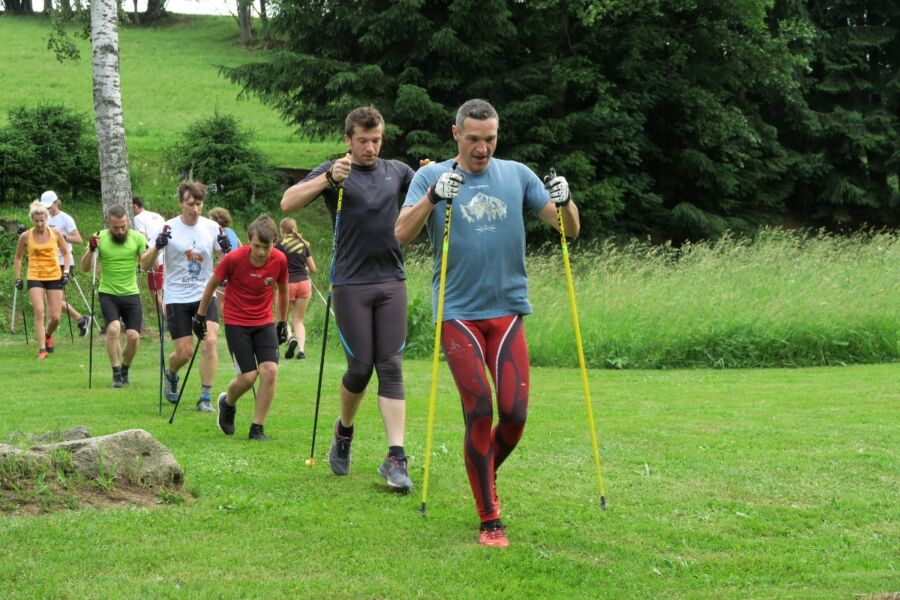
x,y
251,290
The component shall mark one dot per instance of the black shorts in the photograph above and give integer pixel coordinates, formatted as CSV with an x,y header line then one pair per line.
x,y
127,308
251,346
53,284
178,317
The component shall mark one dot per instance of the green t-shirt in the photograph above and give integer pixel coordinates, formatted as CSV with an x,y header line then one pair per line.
x,y
118,263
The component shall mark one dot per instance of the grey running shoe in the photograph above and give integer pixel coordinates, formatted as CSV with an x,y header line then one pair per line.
x,y
393,469
171,387
256,433
225,419
117,380
301,355
339,453
205,406
291,348
84,323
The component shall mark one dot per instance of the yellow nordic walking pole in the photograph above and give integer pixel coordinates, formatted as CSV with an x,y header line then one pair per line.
x,y
439,317
581,363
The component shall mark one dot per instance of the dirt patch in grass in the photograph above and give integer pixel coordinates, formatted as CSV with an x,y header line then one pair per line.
x,y
34,498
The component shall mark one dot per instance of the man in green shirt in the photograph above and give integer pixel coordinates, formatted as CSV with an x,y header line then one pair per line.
x,y
118,252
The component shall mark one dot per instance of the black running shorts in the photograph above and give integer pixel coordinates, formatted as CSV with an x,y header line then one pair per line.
x,y
127,308
178,317
53,284
251,346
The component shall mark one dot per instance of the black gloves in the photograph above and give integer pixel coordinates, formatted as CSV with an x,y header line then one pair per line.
x,y
281,328
224,242
20,285
163,238
198,324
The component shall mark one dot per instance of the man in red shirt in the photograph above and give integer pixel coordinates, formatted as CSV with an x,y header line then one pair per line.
x,y
253,272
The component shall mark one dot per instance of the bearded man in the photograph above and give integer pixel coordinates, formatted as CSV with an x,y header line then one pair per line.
x,y
118,250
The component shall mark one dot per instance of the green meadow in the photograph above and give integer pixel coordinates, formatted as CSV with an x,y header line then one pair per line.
x,y
747,434
777,483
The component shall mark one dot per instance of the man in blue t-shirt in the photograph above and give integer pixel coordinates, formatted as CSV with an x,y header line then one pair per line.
x,y
486,290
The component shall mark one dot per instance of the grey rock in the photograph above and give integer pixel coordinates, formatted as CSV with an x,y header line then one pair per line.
x,y
79,433
133,456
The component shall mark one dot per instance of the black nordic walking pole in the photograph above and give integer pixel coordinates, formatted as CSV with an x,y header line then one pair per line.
x,y
439,317
578,343
12,316
68,316
311,461
24,322
93,318
320,295
184,382
162,349
81,292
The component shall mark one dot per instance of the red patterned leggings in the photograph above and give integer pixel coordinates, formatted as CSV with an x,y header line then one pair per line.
x,y
500,344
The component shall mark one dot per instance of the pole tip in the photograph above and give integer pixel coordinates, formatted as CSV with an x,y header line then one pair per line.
x,y
310,463
421,510
603,502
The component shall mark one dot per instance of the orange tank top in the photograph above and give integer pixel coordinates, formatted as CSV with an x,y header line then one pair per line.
x,y
42,263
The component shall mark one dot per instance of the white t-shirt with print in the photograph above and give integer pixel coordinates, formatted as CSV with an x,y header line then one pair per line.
x,y
189,259
66,225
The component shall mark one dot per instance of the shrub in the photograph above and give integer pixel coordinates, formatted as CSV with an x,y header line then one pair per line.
x,y
47,147
217,152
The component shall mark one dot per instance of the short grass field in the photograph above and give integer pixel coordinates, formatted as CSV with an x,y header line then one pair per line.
x,y
778,483
170,79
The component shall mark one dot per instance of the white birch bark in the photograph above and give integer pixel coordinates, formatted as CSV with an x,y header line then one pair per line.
x,y
109,121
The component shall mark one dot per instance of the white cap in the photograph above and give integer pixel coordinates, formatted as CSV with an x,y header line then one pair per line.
x,y
48,198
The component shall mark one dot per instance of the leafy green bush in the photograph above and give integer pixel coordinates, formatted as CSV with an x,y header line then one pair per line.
x,y
46,147
217,151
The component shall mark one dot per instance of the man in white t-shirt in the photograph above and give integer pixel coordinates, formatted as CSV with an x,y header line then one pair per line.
x,y
150,224
188,244
65,224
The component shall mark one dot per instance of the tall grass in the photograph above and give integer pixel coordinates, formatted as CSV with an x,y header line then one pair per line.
x,y
781,299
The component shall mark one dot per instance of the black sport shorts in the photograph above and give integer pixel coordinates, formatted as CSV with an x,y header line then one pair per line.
x,y
178,317
53,284
127,308
251,346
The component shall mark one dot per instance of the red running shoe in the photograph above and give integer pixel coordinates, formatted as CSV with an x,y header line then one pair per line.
x,y
49,343
495,537
42,354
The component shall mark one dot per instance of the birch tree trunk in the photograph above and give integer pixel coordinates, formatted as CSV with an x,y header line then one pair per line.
x,y
245,21
115,183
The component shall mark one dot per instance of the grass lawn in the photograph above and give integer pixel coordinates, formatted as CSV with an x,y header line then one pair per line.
x,y
727,483
170,78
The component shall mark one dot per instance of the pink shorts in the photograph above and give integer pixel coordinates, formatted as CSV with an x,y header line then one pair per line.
x,y
299,289
155,278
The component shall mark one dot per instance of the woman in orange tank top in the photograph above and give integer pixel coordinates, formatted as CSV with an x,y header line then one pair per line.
x,y
44,274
